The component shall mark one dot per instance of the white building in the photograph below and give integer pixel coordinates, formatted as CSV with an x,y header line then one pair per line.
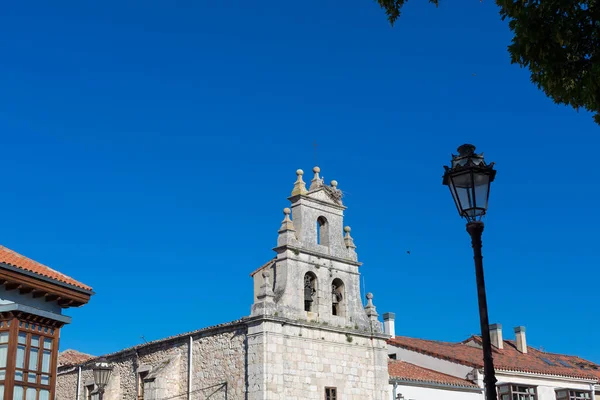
x,y
523,372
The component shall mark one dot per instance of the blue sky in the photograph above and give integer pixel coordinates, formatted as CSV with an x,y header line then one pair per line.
x,y
148,151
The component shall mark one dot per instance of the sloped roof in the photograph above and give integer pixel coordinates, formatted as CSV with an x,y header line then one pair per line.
x,y
508,359
265,265
402,370
10,257
72,357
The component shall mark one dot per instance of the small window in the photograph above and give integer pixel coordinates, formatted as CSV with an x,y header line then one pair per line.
x,y
517,392
141,377
567,394
392,356
330,393
89,389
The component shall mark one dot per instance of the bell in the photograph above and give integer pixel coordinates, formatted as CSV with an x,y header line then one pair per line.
x,y
308,293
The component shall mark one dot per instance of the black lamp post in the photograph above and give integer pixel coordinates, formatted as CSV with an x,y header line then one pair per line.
x,y
102,371
469,180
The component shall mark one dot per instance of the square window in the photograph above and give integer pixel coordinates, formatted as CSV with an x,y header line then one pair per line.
x,y
330,393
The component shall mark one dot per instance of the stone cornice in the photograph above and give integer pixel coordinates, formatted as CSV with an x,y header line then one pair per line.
x,y
315,325
280,249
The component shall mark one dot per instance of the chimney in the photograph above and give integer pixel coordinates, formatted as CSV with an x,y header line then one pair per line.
x,y
521,341
496,336
388,324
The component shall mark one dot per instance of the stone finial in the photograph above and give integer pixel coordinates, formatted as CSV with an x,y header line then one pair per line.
x,y
265,299
316,181
334,184
266,291
348,239
299,185
370,308
372,314
286,224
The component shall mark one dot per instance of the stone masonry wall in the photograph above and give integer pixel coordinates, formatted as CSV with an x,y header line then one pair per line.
x,y
66,384
294,362
218,369
219,366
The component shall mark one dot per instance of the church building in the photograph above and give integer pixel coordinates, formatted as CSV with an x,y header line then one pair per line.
x,y
308,335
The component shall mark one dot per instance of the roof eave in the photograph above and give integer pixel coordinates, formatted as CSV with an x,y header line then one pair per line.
x,y
435,385
10,267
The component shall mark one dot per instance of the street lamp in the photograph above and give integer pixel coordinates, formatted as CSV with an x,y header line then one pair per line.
x,y
102,371
469,180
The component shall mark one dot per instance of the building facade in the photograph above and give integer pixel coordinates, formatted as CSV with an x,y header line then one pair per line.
x,y
523,372
308,335
32,297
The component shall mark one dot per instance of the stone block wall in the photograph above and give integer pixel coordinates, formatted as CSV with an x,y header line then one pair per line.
x,y
218,368
298,361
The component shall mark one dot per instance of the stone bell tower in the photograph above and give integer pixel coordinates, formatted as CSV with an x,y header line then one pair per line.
x,y
307,299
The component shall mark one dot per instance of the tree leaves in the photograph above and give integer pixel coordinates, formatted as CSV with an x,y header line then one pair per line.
x,y
558,40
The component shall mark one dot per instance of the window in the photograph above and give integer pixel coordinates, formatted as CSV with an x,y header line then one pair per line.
x,y
27,359
330,393
566,394
141,377
33,366
322,231
517,392
337,297
310,290
89,389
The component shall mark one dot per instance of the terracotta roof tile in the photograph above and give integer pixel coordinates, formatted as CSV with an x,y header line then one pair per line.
x,y
410,372
10,257
508,359
72,357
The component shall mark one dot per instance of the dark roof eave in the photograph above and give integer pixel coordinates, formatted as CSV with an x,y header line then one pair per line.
x,y
10,267
432,384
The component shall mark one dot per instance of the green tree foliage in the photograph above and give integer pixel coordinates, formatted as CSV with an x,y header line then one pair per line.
x,y
558,40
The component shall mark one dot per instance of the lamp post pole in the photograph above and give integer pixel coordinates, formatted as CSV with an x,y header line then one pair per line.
x,y
469,178
475,229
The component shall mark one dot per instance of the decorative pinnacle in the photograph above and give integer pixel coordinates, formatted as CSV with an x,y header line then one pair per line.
x,y
286,224
348,241
317,180
466,150
334,184
370,308
299,185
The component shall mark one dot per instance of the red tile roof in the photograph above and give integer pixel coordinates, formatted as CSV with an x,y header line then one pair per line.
x,y
72,357
508,359
7,256
409,372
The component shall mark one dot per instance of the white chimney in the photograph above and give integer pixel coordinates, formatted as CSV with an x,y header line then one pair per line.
x,y
389,324
496,336
521,341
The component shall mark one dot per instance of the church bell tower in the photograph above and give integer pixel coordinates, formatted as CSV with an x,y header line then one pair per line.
x,y
308,298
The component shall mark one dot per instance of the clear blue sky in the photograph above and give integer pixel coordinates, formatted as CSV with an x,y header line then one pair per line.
x,y
148,151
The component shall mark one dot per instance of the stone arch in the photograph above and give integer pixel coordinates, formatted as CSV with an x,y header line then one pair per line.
x,y
338,297
322,231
